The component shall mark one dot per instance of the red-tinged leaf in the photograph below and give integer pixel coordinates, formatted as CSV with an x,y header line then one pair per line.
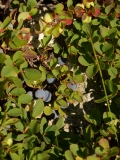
x,y
67,21
89,13
79,11
29,17
96,12
90,0
117,15
56,17
108,2
29,54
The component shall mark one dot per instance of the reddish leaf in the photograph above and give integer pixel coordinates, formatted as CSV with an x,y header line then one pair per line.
x,y
56,17
79,11
29,54
89,13
117,15
108,2
29,17
96,12
84,16
67,21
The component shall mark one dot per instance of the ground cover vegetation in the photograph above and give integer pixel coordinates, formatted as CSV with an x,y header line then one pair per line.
x,y
39,82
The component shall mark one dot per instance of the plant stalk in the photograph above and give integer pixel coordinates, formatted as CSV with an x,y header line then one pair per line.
x,y
103,83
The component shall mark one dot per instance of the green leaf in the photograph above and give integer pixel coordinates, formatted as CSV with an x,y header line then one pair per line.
x,y
15,112
103,16
46,40
43,125
47,140
59,7
48,111
19,42
98,47
78,77
55,31
112,129
92,158
95,22
41,156
91,70
28,143
6,22
69,3
18,91
19,24
100,151
60,123
68,155
103,31
23,16
57,48
2,58
101,63
16,147
32,74
61,88
74,149
103,142
86,60
113,151
18,55
9,71
90,119
88,133
104,133
20,137
112,71
50,129
19,126
53,62
14,156
31,3
22,8
62,112
33,11
75,38
107,116
12,45
34,127
108,49
8,61
55,72
23,65
17,82
77,25
112,88
73,49
112,32
108,9
86,28
62,103
24,98
38,108
11,121
76,95
114,23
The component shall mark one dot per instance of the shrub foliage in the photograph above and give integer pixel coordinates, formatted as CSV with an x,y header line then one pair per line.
x,y
38,80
